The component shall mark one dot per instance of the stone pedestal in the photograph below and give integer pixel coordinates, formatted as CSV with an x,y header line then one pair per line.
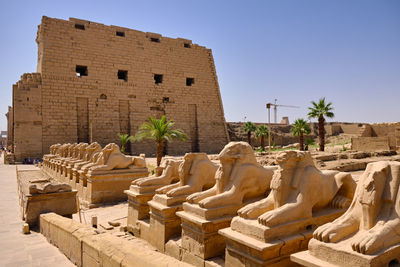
x,y
138,209
51,196
341,254
107,186
200,236
200,226
249,243
164,223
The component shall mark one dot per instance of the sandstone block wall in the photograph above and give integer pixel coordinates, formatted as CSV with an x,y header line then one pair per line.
x,y
370,143
281,134
376,131
10,127
95,81
386,129
85,247
27,117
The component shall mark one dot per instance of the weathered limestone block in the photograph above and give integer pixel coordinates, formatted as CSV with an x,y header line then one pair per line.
x,y
142,191
38,193
196,173
239,180
368,234
302,198
86,247
106,179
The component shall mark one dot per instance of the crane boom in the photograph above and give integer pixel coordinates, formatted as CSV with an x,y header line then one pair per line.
x,y
288,106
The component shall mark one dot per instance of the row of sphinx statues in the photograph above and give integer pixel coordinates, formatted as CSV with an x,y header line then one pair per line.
x,y
90,156
237,186
293,190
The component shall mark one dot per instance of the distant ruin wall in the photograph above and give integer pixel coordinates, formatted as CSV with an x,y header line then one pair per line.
x,y
370,143
281,134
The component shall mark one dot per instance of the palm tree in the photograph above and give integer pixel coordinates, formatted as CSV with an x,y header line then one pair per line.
x,y
319,110
300,128
262,131
249,127
124,138
159,131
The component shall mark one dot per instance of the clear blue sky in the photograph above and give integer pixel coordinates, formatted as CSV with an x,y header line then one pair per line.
x,y
294,50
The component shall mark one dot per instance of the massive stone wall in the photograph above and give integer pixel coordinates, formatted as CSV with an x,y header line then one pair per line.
x,y
373,135
27,117
10,128
97,80
370,143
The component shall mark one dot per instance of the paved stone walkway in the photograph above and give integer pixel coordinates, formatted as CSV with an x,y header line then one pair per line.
x,y
17,249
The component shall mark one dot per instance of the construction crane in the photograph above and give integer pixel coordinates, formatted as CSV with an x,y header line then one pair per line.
x,y
268,105
276,108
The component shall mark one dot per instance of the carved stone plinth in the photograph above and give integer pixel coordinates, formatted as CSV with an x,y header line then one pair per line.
x,y
249,243
39,193
341,254
200,229
164,223
107,186
200,237
138,209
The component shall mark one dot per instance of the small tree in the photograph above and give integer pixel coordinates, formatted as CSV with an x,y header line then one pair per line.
x,y
309,142
249,127
159,131
262,132
124,138
319,110
300,128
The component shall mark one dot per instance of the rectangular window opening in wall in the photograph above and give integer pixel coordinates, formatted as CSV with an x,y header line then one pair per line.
x,y
80,27
189,81
123,75
187,45
155,40
165,100
121,34
81,71
158,78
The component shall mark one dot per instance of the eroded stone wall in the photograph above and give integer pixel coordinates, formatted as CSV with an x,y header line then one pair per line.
x,y
27,117
124,76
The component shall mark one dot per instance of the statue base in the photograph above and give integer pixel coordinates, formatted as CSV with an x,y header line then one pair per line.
x,y
341,254
108,186
249,243
200,228
174,249
138,209
32,205
164,223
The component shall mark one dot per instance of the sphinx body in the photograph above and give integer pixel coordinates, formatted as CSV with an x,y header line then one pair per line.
x,y
196,173
298,189
111,158
52,154
167,173
90,152
374,214
62,151
239,177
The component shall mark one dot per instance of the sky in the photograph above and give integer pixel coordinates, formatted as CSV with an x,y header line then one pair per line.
x,y
295,51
